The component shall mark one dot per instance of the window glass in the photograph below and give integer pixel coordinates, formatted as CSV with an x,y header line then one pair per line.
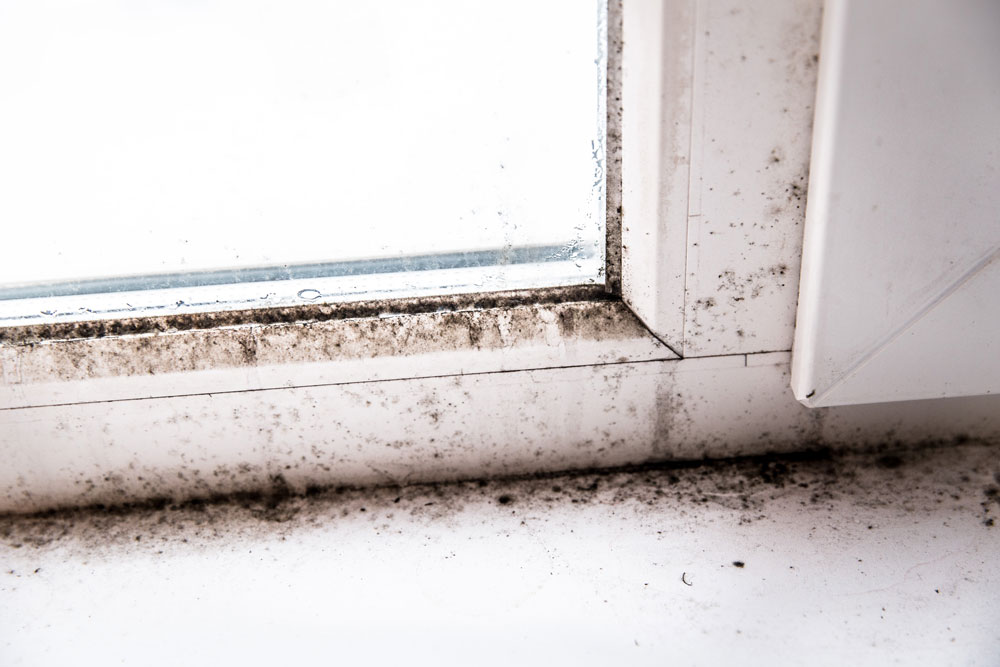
x,y
179,154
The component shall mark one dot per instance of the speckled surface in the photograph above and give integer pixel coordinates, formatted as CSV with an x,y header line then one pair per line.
x,y
846,560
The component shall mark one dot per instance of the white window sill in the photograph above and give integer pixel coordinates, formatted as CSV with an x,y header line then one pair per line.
x,y
45,366
856,561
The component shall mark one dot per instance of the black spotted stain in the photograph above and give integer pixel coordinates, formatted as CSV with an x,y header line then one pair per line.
x,y
31,334
150,346
960,478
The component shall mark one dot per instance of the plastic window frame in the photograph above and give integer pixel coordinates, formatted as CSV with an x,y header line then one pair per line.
x,y
319,344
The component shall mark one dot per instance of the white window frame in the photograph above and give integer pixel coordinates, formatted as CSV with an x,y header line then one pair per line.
x,y
472,386
58,370
260,349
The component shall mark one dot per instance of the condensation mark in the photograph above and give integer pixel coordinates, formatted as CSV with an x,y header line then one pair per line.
x,y
363,267
309,294
576,249
402,267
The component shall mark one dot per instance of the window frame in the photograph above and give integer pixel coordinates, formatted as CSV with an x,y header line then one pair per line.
x,y
480,386
101,360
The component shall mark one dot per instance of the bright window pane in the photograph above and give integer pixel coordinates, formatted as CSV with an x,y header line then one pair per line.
x,y
221,154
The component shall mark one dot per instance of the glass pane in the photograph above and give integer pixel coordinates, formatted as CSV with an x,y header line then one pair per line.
x,y
170,155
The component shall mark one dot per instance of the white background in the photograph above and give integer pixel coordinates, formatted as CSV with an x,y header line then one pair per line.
x,y
168,135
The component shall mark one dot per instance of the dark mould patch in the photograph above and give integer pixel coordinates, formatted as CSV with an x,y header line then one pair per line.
x,y
613,151
605,319
796,191
27,335
567,322
991,494
579,486
741,489
774,472
739,564
890,461
738,287
248,344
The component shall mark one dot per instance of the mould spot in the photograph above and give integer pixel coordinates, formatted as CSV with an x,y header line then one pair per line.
x,y
923,482
890,461
26,335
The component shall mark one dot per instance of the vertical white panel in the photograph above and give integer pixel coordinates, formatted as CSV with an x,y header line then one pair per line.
x,y
657,66
755,74
717,114
899,281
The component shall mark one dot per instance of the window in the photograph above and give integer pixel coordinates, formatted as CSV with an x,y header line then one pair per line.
x,y
492,381
216,156
59,365
706,163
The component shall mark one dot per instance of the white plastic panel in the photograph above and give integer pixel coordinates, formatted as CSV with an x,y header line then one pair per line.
x,y
657,64
458,426
754,91
718,108
900,268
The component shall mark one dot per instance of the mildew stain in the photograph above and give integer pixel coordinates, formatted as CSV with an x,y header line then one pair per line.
x,y
753,222
281,343
39,333
962,478
737,288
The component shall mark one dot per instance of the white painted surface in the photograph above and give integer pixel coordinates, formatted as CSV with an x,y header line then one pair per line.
x,y
442,428
901,268
865,566
421,429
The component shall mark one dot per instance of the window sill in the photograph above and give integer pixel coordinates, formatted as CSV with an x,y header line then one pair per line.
x,y
385,343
